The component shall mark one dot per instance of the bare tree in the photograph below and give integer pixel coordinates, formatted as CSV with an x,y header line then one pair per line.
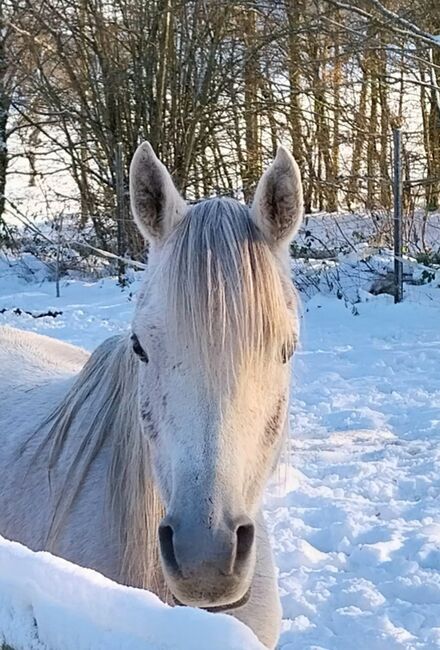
x,y
216,85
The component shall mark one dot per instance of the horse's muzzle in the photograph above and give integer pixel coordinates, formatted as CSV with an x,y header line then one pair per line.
x,y
208,567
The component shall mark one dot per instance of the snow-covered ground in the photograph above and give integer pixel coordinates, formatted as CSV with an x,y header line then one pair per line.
x,y
357,528
354,511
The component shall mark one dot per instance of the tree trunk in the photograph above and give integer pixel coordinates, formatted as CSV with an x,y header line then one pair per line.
x,y
251,83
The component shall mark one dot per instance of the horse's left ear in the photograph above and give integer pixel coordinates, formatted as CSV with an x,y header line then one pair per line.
x,y
155,202
278,208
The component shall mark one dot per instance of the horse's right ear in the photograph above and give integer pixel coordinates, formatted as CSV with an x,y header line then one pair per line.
x,y
155,202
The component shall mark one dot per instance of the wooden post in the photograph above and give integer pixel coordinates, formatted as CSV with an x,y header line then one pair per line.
x,y
59,227
120,212
397,192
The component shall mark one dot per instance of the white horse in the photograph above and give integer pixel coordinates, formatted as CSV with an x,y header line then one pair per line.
x,y
150,464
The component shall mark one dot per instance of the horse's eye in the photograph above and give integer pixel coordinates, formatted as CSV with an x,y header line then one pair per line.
x,y
138,349
287,350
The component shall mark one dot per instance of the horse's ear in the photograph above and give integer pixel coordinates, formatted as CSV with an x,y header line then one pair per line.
x,y
278,207
156,204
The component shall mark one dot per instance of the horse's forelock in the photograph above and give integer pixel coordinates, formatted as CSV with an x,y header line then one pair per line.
x,y
225,295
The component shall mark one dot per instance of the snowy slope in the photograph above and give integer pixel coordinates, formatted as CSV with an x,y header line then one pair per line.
x,y
355,511
48,603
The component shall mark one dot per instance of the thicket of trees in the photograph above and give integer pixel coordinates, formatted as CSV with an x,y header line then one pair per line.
x,y
215,85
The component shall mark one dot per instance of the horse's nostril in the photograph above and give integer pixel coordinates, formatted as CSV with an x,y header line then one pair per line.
x,y
245,538
166,535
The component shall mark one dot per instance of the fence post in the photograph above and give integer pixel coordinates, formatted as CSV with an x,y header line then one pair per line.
x,y
59,227
120,211
397,193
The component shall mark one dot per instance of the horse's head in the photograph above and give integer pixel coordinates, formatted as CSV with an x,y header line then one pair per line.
x,y
214,329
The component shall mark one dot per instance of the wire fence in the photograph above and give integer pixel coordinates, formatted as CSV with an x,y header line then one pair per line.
x,y
345,252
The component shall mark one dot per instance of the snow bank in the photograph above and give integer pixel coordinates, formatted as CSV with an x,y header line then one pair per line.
x,y
47,603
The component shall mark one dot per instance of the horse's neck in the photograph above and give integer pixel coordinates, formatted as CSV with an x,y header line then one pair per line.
x,y
97,425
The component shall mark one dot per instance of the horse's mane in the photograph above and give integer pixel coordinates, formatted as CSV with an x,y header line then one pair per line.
x,y
102,407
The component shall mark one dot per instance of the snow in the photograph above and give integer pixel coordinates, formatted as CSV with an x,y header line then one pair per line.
x,y
353,511
357,533
341,231
48,603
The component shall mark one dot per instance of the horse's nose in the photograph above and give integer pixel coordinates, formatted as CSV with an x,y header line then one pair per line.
x,y
188,551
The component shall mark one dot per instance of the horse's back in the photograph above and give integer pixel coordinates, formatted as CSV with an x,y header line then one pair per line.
x,y
29,358
35,374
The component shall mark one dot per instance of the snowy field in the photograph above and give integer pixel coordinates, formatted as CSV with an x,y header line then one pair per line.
x,y
354,511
